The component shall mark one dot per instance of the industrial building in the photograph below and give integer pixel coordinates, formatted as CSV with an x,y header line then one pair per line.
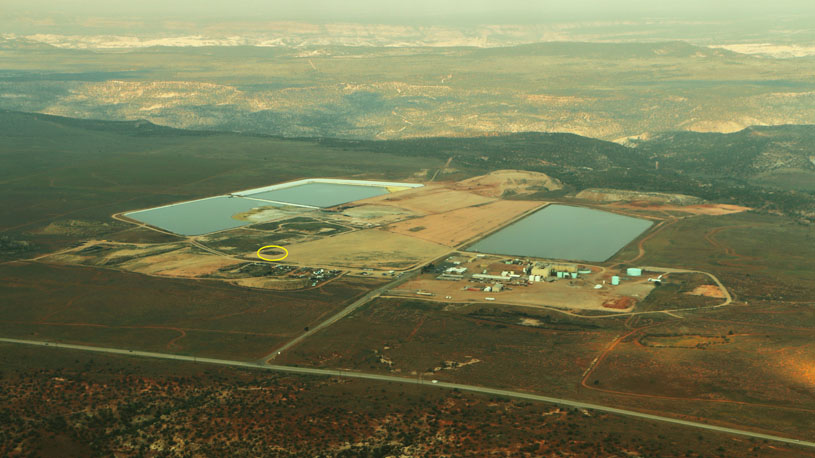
x,y
539,270
495,277
562,267
559,270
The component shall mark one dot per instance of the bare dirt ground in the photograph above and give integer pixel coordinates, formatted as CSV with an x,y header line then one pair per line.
x,y
624,195
372,248
701,209
620,303
272,283
504,182
375,215
432,198
185,262
708,290
455,227
168,260
272,213
572,294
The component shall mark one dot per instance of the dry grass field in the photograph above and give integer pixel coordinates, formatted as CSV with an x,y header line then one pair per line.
x,y
176,260
123,309
187,262
754,363
455,227
482,344
372,248
432,198
758,377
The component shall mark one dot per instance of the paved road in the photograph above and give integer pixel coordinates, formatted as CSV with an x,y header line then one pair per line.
x,y
368,297
414,381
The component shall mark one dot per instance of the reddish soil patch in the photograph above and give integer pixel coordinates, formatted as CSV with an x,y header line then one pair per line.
x,y
707,290
620,303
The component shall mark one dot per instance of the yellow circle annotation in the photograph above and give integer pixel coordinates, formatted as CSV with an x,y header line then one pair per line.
x,y
286,253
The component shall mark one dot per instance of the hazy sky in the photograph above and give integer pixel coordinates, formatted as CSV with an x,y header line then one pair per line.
x,y
396,22
398,11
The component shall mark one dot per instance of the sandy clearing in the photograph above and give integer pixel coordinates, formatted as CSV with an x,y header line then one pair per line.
x,y
458,226
374,215
179,263
565,294
609,195
372,248
717,209
620,303
499,182
272,283
707,290
272,213
702,209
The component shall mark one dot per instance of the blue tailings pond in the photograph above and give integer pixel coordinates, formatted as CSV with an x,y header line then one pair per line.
x,y
197,217
565,232
320,194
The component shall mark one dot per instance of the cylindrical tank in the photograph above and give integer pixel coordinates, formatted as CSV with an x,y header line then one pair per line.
x,y
633,272
537,278
615,280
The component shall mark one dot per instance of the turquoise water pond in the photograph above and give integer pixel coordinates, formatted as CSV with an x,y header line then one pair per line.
x,y
198,216
320,194
213,214
565,232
